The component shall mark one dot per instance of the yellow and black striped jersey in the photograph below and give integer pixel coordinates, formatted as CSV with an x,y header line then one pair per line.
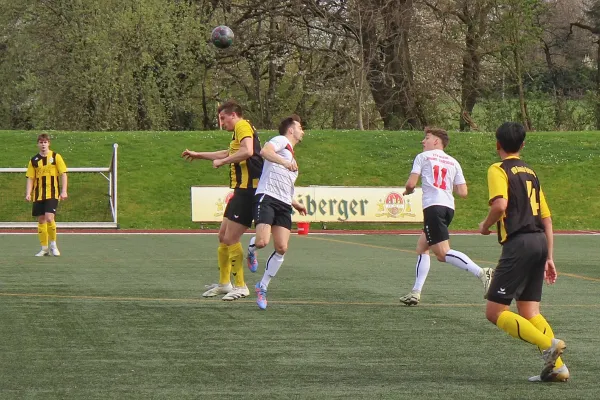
x,y
245,174
516,182
45,172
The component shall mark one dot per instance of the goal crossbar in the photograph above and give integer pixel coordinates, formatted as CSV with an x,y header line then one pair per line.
x,y
109,173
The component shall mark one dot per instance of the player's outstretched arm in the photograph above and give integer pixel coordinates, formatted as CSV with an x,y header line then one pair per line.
x,y
205,155
245,152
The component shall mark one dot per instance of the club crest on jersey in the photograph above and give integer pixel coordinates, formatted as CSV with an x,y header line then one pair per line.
x,y
50,160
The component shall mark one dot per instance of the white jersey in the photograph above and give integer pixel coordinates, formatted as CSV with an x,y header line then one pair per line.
x,y
439,173
276,180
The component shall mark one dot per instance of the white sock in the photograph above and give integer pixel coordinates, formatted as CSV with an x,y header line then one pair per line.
x,y
422,269
251,246
52,244
462,261
273,264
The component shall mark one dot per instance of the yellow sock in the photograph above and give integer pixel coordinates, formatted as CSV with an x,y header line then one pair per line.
x,y
43,234
236,257
51,231
520,328
224,264
543,326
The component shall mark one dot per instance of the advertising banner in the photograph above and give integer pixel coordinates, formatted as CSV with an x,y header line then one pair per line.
x,y
324,204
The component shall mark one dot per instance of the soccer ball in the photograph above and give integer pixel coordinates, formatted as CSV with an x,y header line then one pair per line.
x,y
222,37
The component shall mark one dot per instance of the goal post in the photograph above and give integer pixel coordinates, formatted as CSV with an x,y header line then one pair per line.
x,y
92,201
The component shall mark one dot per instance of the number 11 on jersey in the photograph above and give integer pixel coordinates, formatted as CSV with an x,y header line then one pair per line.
x,y
439,179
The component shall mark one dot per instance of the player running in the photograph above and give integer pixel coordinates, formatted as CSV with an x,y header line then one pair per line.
x,y
441,175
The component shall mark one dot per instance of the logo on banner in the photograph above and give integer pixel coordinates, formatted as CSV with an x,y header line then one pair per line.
x,y
222,203
395,206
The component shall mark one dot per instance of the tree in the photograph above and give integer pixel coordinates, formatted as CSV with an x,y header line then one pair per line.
x,y
592,25
386,28
474,18
517,32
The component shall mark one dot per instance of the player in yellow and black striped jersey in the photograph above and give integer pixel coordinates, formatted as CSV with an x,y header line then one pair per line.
x,y
526,204
243,156
244,174
518,207
44,172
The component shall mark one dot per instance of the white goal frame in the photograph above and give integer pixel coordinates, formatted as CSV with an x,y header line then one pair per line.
x,y
109,173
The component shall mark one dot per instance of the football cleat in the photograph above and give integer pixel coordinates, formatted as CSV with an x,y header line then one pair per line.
x,y
411,299
238,292
216,289
54,251
252,261
261,296
43,252
550,356
486,278
560,374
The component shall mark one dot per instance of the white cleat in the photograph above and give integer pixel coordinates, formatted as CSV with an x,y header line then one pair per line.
x,y
216,289
43,252
560,374
238,292
486,279
54,251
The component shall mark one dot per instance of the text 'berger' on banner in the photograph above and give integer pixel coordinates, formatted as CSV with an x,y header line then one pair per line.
x,y
324,204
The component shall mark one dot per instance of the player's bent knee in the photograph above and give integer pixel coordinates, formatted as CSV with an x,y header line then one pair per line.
x,y
228,241
261,243
492,317
440,254
493,311
281,249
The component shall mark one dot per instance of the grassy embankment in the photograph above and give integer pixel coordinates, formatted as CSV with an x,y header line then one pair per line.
x,y
154,182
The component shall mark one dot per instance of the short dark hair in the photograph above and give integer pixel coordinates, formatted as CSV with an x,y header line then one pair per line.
x,y
287,122
440,133
230,107
43,137
511,136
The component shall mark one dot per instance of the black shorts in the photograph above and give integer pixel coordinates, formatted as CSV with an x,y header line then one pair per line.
x,y
45,206
239,207
271,211
436,220
520,271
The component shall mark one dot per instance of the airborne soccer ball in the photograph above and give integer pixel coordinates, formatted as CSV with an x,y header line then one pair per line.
x,y
222,37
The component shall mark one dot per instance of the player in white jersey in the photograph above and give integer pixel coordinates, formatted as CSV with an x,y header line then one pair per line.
x,y
274,202
441,175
